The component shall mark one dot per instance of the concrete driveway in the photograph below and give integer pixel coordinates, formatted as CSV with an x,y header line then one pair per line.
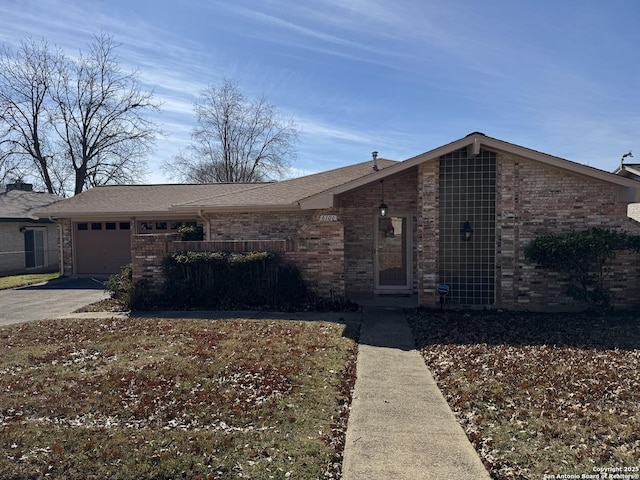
x,y
50,300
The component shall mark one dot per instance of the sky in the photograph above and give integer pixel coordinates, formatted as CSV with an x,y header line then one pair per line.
x,y
399,77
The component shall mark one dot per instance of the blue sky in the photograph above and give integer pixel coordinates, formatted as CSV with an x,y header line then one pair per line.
x,y
401,77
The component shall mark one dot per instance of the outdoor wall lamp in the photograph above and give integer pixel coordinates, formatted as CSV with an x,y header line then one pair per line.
x,y
383,206
466,231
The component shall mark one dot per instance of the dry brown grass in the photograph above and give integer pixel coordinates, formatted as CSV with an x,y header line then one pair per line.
x,y
540,394
151,398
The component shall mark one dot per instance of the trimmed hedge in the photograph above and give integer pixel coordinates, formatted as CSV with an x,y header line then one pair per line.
x,y
231,280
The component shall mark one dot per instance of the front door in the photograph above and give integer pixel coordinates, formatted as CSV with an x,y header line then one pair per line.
x,y
392,261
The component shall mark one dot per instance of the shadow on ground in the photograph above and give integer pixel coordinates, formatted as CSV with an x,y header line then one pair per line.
x,y
67,283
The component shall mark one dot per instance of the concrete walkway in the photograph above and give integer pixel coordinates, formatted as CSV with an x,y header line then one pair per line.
x,y
400,425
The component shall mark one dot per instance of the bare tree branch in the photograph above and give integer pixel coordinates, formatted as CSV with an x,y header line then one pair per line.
x,y
235,140
80,122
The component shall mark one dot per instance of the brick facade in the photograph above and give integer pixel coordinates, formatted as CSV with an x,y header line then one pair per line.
x,y
313,242
334,248
534,199
531,199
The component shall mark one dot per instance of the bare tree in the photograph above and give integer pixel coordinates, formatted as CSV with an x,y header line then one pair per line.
x,y
25,84
235,140
80,121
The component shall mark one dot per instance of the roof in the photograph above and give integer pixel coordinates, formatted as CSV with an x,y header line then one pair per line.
x,y
309,192
17,205
628,190
138,200
629,170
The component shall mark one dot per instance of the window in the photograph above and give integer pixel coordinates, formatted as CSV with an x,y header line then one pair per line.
x,y
83,226
35,247
96,226
161,225
110,226
125,226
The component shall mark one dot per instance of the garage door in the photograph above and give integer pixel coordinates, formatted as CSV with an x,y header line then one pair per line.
x,y
102,248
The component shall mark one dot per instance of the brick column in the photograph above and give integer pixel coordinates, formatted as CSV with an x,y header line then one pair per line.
x,y
147,253
66,261
427,242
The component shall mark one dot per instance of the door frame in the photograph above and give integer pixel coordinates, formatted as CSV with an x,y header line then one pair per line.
x,y
407,238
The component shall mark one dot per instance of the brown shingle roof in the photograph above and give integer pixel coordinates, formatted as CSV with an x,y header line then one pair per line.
x,y
288,192
156,199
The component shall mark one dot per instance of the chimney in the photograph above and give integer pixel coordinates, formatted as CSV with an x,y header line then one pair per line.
x,y
21,186
375,161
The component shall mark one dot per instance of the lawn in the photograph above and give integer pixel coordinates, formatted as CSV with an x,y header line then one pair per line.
x,y
14,281
161,399
540,394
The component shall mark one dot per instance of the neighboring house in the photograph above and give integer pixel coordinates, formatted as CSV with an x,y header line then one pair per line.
x,y
28,244
631,170
459,215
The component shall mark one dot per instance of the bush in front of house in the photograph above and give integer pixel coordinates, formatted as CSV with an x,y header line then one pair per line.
x,y
191,233
231,280
133,296
585,257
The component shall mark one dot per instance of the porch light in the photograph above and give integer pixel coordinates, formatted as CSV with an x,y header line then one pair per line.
x,y
466,231
383,206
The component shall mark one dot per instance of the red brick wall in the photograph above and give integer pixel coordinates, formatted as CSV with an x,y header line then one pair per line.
x,y
147,253
318,251
531,199
316,247
534,199
256,226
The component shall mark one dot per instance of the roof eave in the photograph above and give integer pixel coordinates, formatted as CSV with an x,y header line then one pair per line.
x,y
24,220
200,209
110,215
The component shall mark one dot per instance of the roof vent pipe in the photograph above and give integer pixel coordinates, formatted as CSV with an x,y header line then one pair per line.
x,y
375,161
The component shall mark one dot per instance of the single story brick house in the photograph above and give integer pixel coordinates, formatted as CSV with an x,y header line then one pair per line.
x,y
28,244
459,215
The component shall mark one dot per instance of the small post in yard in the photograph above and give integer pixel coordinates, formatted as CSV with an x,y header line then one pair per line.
x,y
443,290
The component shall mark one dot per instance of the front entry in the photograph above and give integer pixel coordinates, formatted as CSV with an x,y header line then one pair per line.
x,y
392,258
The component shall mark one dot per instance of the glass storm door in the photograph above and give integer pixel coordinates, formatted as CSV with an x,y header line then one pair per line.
x,y
392,265
34,248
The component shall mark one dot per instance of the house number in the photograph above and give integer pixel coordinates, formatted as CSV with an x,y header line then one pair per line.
x,y
328,218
